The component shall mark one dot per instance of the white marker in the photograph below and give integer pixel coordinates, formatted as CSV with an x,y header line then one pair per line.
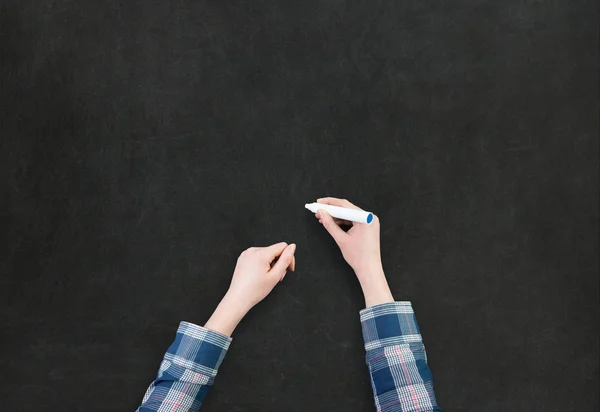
x,y
353,215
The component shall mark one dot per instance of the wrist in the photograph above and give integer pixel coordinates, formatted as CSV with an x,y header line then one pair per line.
x,y
228,314
375,287
369,272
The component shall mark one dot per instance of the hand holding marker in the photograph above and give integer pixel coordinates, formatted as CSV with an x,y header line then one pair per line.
x,y
359,245
352,215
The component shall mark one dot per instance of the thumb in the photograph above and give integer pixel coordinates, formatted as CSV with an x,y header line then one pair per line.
x,y
284,262
329,224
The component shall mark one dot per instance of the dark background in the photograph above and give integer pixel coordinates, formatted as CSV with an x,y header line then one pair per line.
x,y
145,144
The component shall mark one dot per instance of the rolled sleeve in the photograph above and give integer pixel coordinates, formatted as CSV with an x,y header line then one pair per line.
x,y
197,349
400,377
187,371
389,324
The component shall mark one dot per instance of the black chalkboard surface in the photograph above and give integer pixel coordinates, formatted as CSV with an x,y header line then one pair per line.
x,y
145,144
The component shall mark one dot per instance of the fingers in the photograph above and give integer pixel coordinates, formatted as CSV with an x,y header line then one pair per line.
x,y
273,251
343,222
334,201
286,260
292,268
329,224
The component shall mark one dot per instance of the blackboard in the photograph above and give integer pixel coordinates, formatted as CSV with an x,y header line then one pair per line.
x,y
145,144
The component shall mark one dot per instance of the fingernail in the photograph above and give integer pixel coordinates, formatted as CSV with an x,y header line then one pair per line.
x,y
318,214
293,247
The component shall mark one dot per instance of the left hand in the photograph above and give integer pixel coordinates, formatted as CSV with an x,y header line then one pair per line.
x,y
254,277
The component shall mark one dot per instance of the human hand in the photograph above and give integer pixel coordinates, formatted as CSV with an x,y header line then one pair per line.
x,y
254,277
360,248
359,245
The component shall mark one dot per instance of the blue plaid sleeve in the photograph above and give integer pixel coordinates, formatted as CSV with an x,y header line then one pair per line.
x,y
187,371
396,358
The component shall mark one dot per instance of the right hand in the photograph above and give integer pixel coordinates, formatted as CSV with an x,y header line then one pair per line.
x,y
360,248
360,244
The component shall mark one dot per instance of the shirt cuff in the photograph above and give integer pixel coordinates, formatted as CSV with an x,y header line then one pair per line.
x,y
197,349
389,324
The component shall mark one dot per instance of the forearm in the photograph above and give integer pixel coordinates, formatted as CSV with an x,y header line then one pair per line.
x,y
374,285
227,315
191,363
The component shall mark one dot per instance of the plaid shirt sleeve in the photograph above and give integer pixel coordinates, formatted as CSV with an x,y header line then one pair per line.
x,y
187,371
396,358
